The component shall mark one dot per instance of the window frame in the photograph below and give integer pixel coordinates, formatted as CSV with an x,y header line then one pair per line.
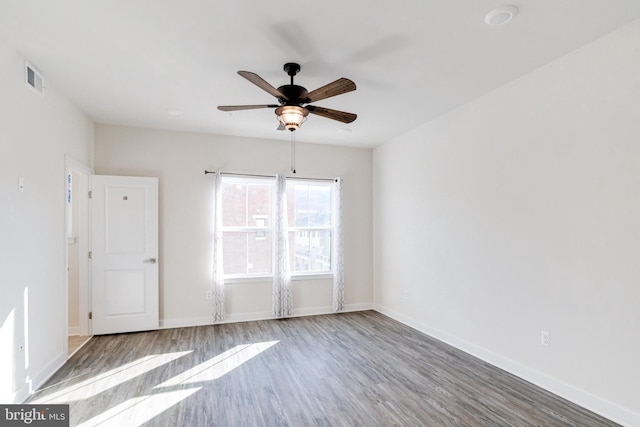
x,y
247,180
330,228
295,275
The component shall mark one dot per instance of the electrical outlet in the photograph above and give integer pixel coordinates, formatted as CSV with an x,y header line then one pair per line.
x,y
208,295
545,338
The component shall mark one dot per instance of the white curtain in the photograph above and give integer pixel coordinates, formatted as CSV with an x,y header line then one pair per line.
x,y
218,266
338,250
282,297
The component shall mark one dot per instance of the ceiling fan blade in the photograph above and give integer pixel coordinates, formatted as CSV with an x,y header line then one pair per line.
x,y
262,84
340,116
340,86
245,107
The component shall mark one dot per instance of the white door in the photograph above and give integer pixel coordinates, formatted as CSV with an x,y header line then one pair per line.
x,y
124,246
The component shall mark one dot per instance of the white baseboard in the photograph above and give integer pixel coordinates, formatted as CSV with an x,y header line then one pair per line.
x,y
314,311
73,331
258,315
33,384
569,392
357,307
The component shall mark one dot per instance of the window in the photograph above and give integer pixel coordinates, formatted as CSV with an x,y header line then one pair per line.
x,y
248,221
310,226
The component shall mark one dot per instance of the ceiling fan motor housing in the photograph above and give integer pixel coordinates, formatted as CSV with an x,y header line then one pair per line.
x,y
293,95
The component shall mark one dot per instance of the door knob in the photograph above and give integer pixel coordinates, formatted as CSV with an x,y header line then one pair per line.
x,y
150,261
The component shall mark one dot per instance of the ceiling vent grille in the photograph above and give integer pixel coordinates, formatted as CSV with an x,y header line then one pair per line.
x,y
33,79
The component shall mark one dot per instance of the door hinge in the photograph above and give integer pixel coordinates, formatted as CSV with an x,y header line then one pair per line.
x,y
90,315
90,255
90,194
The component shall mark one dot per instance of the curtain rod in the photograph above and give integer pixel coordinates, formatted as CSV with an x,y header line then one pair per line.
x,y
270,176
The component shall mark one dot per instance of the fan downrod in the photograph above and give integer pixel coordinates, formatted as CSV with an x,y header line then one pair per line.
x,y
291,68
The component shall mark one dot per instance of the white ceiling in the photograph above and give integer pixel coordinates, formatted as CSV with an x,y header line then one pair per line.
x,y
130,61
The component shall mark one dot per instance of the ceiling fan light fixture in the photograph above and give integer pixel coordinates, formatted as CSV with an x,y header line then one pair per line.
x,y
292,116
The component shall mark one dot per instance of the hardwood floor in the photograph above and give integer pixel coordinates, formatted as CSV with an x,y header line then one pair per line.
x,y
352,369
76,341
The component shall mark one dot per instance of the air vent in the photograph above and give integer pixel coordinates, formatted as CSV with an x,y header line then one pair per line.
x,y
33,79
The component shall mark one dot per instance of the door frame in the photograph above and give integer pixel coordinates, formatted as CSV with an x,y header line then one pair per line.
x,y
84,243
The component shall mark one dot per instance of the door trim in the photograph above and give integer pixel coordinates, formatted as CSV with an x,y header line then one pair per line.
x,y
84,271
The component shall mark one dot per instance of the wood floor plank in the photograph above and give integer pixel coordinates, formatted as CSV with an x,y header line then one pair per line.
x,y
351,369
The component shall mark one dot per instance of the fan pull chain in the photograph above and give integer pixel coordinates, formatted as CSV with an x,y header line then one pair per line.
x,y
293,152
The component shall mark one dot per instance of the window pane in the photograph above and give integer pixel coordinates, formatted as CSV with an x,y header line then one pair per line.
x,y
309,205
319,206
244,202
234,203
247,252
259,205
310,250
300,212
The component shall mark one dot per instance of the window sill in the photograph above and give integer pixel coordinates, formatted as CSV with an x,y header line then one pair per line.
x,y
269,279
248,279
312,276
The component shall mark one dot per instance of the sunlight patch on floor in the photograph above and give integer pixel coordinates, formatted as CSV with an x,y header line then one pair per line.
x,y
100,383
139,410
219,365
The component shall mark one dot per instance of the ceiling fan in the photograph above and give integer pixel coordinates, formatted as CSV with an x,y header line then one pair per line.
x,y
291,110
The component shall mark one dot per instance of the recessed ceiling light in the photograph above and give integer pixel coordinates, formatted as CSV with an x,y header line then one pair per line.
x,y
501,15
344,130
174,112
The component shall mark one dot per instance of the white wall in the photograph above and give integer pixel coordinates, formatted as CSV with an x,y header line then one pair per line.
x,y
35,135
179,160
520,212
